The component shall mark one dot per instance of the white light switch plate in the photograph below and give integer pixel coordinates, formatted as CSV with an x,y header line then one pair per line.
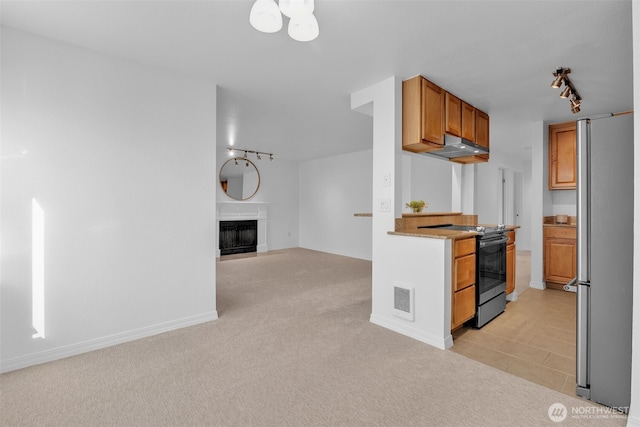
x,y
385,205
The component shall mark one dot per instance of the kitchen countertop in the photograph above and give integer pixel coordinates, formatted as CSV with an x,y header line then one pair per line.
x,y
434,233
560,225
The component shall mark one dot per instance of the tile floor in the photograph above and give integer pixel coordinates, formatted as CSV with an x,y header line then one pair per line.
x,y
533,339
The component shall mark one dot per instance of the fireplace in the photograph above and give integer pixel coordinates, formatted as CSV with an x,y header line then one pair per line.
x,y
237,237
239,212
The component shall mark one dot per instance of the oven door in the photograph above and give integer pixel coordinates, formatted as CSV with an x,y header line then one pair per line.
x,y
491,267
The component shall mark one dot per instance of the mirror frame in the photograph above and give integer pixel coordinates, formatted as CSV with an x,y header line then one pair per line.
x,y
239,159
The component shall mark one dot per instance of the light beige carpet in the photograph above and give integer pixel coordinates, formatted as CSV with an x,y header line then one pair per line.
x,y
293,347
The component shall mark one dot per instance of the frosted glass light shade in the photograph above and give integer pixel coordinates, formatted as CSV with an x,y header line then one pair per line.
x,y
265,16
303,28
292,8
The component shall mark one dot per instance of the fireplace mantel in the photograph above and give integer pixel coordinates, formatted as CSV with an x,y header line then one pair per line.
x,y
238,211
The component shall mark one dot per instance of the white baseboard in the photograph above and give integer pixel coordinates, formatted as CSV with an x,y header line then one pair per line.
x,y
443,343
98,343
537,285
513,296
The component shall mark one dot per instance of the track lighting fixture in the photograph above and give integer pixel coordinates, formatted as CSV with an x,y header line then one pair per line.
x,y
247,152
557,82
236,161
569,90
575,104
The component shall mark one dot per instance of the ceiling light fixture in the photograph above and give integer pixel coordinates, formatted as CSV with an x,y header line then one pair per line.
x,y
266,16
247,152
575,104
561,77
565,92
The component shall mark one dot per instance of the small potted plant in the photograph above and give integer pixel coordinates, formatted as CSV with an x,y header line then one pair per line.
x,y
417,205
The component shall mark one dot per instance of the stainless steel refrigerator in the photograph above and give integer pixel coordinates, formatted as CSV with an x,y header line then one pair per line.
x,y
605,259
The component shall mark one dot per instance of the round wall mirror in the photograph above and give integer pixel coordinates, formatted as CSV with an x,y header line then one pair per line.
x,y
239,178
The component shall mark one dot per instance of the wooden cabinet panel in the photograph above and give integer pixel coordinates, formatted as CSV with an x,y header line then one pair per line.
x,y
422,115
452,114
468,122
465,271
562,156
482,128
560,232
511,268
463,287
464,305
432,112
464,247
559,260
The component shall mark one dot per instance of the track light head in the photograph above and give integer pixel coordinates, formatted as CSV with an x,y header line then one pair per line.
x,y
560,75
566,91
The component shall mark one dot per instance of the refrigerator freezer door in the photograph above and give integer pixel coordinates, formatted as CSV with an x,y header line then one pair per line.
x,y
610,222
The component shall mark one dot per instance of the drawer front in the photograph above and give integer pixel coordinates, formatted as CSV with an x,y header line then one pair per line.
x,y
464,271
560,232
464,305
512,237
465,247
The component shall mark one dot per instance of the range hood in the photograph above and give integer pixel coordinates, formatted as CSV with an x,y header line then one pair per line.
x,y
455,146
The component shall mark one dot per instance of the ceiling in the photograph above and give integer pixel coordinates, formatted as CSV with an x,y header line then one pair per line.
x,y
293,99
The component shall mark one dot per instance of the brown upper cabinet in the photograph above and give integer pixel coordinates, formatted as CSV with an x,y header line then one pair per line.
x,y
428,112
482,128
562,156
468,122
422,115
452,115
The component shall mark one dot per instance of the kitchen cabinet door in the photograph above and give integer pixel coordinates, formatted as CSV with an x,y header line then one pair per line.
x,y
432,113
482,128
562,156
465,271
559,260
422,115
463,289
511,268
468,122
464,306
452,114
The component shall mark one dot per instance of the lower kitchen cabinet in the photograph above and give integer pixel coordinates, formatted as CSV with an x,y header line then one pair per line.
x,y
559,256
463,289
511,261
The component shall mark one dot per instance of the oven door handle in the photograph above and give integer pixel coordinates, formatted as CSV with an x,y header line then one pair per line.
x,y
486,243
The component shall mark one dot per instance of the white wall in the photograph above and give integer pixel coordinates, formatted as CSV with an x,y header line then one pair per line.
x,y
279,188
332,189
429,179
119,158
421,263
564,202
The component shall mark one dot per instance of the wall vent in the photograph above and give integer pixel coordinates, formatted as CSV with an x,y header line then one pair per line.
x,y
403,301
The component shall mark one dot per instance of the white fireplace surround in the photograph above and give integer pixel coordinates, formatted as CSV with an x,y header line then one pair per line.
x,y
240,211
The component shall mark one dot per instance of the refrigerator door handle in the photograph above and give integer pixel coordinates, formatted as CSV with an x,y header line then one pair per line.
x,y
583,190
582,340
